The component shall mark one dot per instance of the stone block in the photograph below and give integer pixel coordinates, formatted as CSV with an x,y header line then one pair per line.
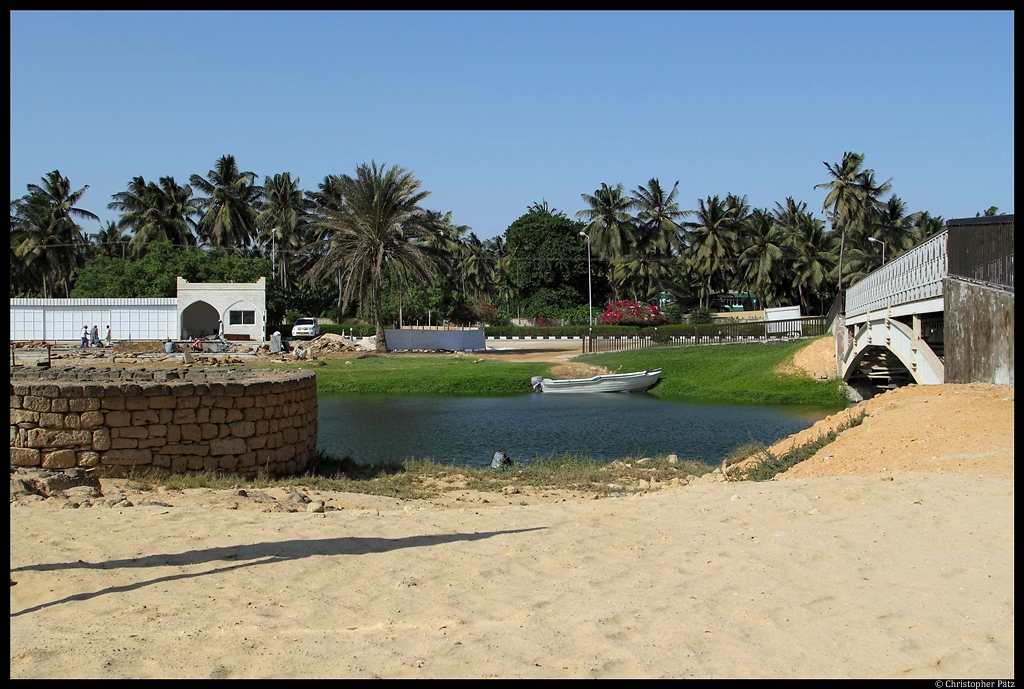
x,y
25,457
145,417
59,459
101,439
83,404
114,419
136,403
132,432
88,458
182,416
191,432
24,416
163,402
126,456
242,429
59,404
112,403
187,403
91,419
35,403
48,420
227,446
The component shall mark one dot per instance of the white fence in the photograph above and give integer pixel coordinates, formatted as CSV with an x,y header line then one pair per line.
x,y
62,319
914,276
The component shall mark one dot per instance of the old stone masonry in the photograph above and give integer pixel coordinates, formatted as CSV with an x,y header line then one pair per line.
x,y
185,419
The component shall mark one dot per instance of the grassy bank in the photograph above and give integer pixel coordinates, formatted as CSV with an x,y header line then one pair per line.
x,y
727,373
741,373
422,375
418,479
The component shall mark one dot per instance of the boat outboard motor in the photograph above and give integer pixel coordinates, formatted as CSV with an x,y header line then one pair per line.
x,y
535,382
500,459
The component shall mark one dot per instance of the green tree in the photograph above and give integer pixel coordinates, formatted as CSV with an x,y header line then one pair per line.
x,y
808,248
761,256
282,221
658,236
547,264
712,242
376,234
229,208
110,241
47,244
852,193
156,212
610,228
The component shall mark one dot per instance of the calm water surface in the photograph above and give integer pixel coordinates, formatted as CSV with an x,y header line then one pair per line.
x,y
467,431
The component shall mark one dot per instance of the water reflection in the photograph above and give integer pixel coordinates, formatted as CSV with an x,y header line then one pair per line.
x,y
466,431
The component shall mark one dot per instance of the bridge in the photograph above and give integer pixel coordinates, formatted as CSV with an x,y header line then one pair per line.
x,y
899,326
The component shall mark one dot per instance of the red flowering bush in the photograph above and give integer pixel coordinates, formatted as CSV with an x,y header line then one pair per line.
x,y
631,313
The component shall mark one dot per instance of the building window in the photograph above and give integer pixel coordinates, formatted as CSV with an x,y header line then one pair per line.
x,y
242,317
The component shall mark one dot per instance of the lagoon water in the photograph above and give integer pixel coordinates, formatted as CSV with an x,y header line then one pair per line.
x,y
467,431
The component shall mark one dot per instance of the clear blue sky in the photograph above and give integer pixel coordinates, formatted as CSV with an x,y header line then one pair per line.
x,y
493,111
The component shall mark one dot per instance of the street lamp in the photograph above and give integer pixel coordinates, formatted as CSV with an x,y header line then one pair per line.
x,y
590,298
879,241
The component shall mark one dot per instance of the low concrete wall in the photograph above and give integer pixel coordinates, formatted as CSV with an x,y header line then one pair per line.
x,y
978,333
178,419
455,340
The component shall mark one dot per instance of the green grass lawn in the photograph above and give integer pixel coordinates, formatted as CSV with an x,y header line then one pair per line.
x,y
422,375
726,373
723,373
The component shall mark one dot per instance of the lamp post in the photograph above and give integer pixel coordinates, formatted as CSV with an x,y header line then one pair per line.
x,y
590,298
879,241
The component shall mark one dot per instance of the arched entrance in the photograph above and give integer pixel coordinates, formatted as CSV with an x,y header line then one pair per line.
x,y
199,319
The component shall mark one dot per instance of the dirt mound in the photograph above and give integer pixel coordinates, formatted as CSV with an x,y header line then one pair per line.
x,y
817,360
966,429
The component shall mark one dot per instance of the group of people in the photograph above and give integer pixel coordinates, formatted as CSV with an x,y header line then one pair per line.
x,y
93,338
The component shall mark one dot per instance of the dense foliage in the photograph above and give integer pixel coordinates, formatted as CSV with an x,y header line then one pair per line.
x,y
365,247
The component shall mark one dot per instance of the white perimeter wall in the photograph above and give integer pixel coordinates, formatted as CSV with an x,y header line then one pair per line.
x,y
62,319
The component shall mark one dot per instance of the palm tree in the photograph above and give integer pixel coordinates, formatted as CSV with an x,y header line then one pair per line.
x,y
282,220
894,227
712,236
610,228
658,233
229,207
156,212
45,238
110,241
762,254
376,234
852,193
808,248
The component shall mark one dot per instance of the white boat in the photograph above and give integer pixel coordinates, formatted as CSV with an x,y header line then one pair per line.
x,y
638,381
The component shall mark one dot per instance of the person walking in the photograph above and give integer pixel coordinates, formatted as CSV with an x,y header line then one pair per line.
x,y
85,336
95,336
108,336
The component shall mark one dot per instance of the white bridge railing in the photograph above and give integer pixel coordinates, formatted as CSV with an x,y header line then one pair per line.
x,y
914,276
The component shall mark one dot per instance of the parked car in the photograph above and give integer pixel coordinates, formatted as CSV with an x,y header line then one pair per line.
x,y
306,327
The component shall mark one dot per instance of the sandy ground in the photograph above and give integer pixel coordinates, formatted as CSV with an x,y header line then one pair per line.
x,y
889,554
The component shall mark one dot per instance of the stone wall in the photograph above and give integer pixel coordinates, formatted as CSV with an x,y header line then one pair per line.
x,y
179,419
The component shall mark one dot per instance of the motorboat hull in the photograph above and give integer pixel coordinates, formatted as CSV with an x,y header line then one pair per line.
x,y
638,381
